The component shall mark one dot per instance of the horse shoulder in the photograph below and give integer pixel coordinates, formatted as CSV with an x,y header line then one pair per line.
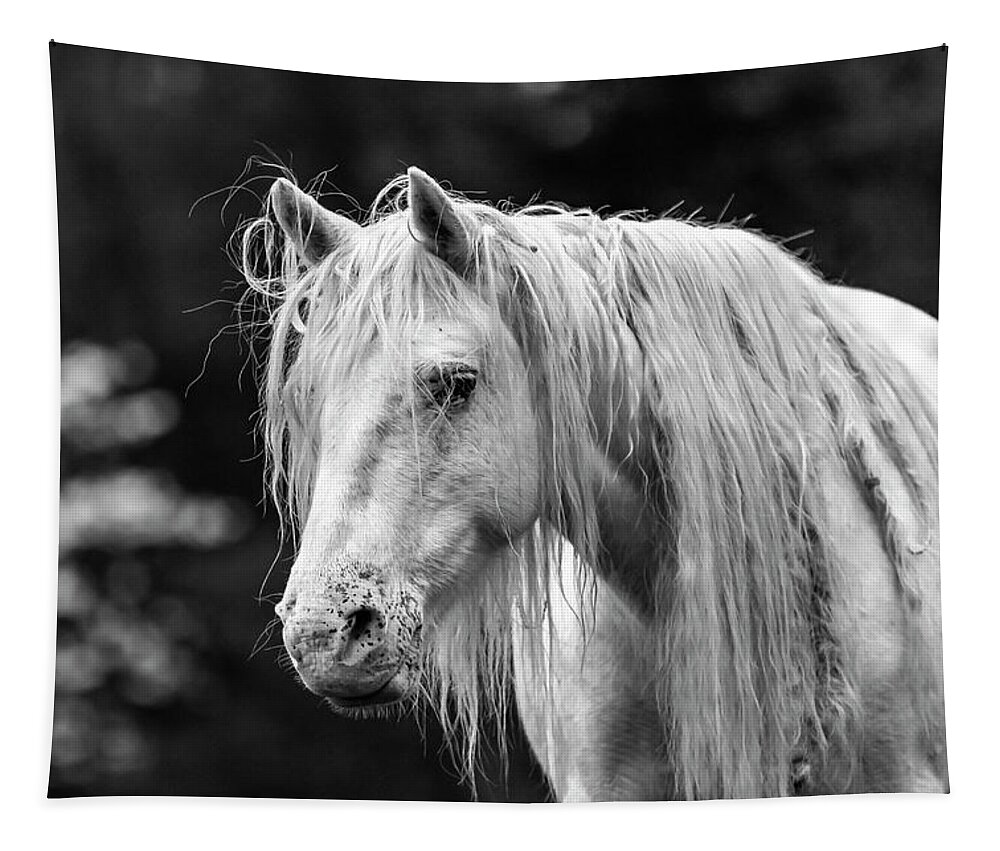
x,y
893,648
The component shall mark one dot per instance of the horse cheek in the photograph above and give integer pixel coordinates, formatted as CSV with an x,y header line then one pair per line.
x,y
518,484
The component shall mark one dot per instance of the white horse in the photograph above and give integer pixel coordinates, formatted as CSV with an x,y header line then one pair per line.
x,y
742,457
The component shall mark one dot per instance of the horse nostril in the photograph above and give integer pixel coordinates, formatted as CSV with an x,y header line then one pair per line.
x,y
359,621
323,639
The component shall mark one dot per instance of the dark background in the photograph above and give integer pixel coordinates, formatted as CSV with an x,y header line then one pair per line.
x,y
165,538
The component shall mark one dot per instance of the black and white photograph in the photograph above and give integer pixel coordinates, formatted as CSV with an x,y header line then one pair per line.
x,y
599,494
471,440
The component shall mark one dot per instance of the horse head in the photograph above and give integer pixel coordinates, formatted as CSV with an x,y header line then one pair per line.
x,y
421,438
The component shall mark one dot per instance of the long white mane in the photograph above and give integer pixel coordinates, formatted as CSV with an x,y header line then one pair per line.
x,y
715,356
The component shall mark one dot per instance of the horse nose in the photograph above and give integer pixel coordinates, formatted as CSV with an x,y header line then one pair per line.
x,y
345,639
341,653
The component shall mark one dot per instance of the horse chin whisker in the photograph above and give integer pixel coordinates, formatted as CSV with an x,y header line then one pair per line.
x,y
376,712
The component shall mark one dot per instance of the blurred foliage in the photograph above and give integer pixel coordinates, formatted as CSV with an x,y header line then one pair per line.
x,y
161,578
128,643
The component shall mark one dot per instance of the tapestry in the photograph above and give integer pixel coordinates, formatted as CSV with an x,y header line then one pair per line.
x,y
554,441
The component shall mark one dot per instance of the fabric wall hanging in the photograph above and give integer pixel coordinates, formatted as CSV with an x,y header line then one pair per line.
x,y
598,422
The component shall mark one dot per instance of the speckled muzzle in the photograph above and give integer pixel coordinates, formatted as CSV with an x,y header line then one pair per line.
x,y
351,639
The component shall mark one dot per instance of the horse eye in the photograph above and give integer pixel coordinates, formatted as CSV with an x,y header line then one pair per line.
x,y
451,385
462,385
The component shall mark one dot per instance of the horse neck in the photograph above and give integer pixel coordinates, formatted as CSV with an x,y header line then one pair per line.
x,y
617,467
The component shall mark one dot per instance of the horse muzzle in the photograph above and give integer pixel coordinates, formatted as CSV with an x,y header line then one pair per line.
x,y
354,655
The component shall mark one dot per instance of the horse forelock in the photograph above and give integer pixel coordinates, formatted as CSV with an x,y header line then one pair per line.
x,y
748,378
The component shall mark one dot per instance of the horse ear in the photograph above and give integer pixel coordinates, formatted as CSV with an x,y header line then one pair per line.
x,y
436,223
311,228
